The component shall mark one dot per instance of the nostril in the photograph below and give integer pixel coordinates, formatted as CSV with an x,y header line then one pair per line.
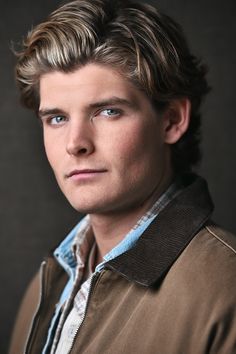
x,y
79,148
83,151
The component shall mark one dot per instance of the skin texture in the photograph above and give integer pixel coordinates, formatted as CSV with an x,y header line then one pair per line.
x,y
108,147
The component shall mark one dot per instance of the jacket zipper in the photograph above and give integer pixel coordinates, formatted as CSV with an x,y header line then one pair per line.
x,y
92,283
36,316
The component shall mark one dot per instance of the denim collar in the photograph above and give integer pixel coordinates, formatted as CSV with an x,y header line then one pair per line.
x,y
75,248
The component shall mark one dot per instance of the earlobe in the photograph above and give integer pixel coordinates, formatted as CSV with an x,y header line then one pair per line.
x,y
176,119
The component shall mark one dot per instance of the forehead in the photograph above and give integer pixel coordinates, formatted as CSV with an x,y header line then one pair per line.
x,y
89,83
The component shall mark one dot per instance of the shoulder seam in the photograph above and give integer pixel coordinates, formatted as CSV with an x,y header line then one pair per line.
x,y
218,238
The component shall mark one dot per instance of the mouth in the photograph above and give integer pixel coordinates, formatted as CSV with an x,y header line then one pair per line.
x,y
85,173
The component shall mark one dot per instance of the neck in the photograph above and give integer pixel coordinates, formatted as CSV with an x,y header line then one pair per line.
x,y
111,228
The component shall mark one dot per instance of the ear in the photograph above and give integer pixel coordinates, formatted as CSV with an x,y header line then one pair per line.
x,y
176,119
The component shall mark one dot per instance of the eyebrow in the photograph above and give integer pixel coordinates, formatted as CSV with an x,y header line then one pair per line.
x,y
49,111
113,101
99,104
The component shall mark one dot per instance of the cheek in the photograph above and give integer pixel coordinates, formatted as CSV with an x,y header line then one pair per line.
x,y
136,149
49,150
52,151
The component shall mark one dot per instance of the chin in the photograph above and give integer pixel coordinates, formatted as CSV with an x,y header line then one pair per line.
x,y
83,208
88,207
101,203
95,206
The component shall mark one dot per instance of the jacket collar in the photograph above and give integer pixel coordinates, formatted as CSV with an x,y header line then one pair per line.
x,y
167,236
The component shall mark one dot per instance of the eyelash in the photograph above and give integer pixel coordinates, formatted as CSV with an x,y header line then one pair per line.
x,y
117,113
49,120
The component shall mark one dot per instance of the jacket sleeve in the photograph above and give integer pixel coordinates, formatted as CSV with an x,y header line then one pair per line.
x,y
25,317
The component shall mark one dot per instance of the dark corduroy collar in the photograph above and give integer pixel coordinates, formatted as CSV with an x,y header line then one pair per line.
x,y
167,236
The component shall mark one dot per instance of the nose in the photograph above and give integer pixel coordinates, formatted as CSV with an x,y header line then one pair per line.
x,y
79,139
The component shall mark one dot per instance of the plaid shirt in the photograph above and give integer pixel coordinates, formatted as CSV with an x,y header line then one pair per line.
x,y
83,248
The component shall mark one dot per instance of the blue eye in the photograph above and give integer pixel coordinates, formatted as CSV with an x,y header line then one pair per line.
x,y
110,112
57,120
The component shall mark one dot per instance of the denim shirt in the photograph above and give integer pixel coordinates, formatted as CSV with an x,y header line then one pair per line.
x,y
66,257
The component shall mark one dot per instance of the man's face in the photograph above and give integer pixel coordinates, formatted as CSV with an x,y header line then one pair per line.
x,y
103,139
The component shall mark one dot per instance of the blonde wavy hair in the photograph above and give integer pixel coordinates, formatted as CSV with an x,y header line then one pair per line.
x,y
148,47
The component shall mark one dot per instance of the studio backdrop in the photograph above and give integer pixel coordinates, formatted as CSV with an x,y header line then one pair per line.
x,y
34,216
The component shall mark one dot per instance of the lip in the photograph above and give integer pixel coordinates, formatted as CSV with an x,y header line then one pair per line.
x,y
85,173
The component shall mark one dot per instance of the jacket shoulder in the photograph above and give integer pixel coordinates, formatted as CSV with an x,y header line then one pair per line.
x,y
223,237
23,321
210,259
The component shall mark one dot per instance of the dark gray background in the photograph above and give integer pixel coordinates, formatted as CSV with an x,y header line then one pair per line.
x,y
34,216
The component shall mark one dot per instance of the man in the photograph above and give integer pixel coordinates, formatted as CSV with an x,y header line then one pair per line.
x,y
118,94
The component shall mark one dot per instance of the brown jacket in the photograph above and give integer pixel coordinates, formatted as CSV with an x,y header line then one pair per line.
x,y
173,293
